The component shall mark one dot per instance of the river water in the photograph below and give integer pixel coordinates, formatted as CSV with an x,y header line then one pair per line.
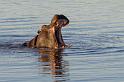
x,y
96,33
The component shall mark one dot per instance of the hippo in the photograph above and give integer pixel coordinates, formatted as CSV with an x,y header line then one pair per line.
x,y
50,36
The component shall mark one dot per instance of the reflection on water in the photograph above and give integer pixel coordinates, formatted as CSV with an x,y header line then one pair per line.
x,y
55,64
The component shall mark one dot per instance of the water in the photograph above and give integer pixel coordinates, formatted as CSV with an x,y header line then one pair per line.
x,y
96,33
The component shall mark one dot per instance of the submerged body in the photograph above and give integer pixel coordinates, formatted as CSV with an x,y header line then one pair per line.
x,y
50,35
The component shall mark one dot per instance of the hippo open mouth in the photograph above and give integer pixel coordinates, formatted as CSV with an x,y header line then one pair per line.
x,y
58,36
61,23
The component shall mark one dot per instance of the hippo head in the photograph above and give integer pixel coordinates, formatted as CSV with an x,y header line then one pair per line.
x,y
50,35
58,22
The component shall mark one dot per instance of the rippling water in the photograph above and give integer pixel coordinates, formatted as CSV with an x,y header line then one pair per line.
x,y
96,33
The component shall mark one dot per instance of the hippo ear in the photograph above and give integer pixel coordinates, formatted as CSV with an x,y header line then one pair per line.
x,y
54,19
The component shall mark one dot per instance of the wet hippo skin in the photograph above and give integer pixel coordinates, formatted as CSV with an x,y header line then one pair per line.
x,y
50,36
